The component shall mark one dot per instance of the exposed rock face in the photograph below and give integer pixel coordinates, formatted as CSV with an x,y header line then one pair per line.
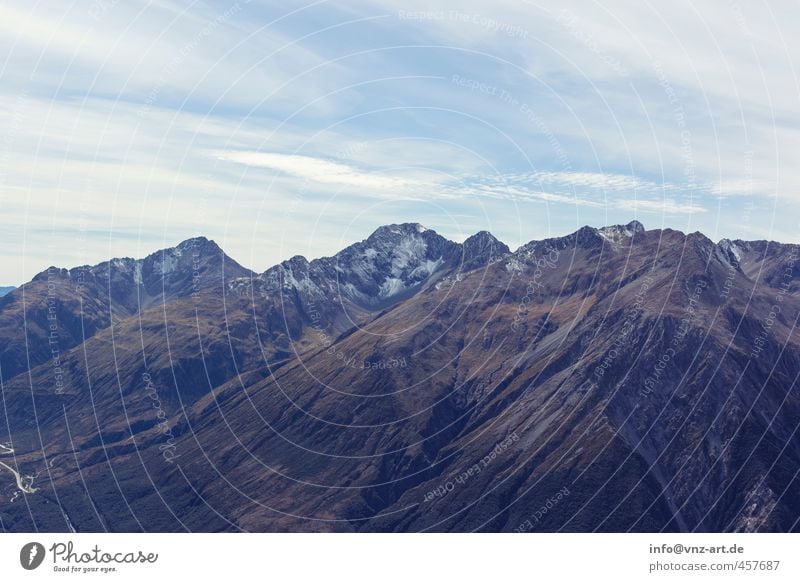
x,y
482,249
768,263
613,379
61,308
394,260
394,263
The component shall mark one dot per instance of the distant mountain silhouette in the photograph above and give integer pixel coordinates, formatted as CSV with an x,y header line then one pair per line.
x,y
615,379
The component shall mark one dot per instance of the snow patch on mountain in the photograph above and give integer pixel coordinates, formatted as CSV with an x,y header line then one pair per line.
x,y
391,286
427,268
409,252
618,233
731,250
168,262
513,265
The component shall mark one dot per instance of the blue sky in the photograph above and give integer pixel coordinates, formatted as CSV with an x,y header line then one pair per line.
x,y
298,128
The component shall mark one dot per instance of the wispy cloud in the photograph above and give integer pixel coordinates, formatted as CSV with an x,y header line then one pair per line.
x,y
666,206
742,187
585,189
601,181
316,169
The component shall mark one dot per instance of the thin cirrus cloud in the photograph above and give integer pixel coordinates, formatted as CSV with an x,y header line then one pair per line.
x,y
665,206
743,187
314,169
592,180
585,189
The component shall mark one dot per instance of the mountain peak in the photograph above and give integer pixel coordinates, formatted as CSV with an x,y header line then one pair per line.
x,y
482,248
198,243
395,230
635,226
483,235
618,232
393,260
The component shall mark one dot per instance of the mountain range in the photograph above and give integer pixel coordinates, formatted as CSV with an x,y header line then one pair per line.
x,y
615,379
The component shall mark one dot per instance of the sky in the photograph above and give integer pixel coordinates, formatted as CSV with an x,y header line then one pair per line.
x,y
285,128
